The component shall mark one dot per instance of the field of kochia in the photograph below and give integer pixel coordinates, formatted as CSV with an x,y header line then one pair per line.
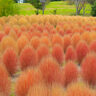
x,y
47,55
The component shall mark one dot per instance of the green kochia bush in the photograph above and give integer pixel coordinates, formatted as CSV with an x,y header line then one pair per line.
x,y
8,7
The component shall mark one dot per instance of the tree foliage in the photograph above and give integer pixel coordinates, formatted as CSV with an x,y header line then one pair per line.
x,y
93,12
8,7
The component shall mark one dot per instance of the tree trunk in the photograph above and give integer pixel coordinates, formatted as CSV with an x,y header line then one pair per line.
x,y
76,2
37,12
43,8
83,10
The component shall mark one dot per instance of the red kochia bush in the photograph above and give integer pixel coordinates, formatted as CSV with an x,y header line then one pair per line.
x,y
57,39
93,46
42,51
89,68
45,40
28,57
2,35
81,50
5,82
70,54
75,39
27,80
10,60
39,90
66,42
57,53
35,42
50,70
22,42
71,72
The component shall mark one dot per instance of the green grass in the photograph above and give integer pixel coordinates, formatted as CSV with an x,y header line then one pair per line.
x,y
61,6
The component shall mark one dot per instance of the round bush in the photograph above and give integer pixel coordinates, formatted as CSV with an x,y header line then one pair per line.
x,y
93,46
81,50
50,70
28,58
58,53
70,72
35,42
27,80
22,42
66,42
89,69
57,39
45,40
2,35
5,82
70,54
75,39
42,51
8,42
10,60
86,37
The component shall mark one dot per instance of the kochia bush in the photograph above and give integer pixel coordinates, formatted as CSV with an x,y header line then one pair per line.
x,y
89,68
28,58
10,60
27,80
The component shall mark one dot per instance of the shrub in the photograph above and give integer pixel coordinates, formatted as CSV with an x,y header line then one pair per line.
x,y
86,37
67,42
70,54
57,53
8,7
89,69
93,46
42,51
93,36
50,70
28,58
57,39
5,82
7,29
78,89
39,90
10,60
13,34
71,72
75,39
22,42
27,80
45,40
81,50
8,42
57,90
35,42
2,35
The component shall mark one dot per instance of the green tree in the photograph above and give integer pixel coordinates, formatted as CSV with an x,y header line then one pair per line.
x,y
37,4
16,1
93,11
8,7
91,1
